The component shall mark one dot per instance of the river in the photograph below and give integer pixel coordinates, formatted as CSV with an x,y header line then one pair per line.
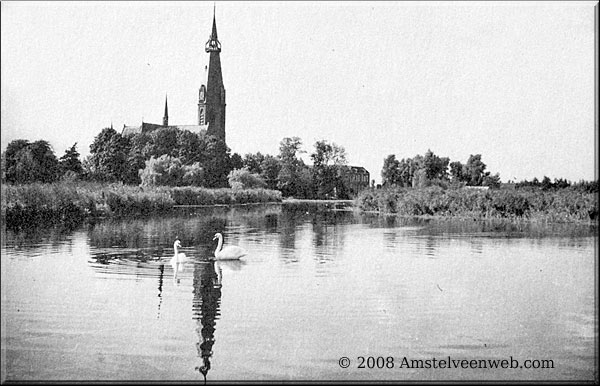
x,y
320,282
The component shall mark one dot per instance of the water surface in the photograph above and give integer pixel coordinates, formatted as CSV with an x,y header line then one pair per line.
x,y
103,302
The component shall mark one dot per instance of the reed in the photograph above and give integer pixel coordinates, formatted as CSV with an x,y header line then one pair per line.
x,y
564,205
25,204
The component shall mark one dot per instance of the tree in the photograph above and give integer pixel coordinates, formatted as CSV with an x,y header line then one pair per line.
x,y
493,181
45,161
163,170
109,156
457,171
304,183
561,183
436,168
26,167
70,161
236,162
270,168
546,183
420,179
404,172
244,179
328,159
254,162
288,178
189,146
216,163
165,141
3,168
474,170
11,158
193,174
390,173
30,162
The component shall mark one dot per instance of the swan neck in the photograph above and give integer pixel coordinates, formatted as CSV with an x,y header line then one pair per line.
x,y
219,245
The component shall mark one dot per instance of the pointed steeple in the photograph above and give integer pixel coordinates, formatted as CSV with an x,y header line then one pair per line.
x,y
213,44
215,90
214,29
166,117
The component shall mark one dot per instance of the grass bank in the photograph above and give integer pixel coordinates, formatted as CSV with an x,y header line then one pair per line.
x,y
565,205
72,202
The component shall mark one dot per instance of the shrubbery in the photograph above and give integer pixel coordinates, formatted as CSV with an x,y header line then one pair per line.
x,y
556,206
244,179
169,171
24,204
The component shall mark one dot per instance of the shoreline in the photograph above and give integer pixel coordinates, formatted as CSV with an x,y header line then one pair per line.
x,y
465,218
31,204
517,206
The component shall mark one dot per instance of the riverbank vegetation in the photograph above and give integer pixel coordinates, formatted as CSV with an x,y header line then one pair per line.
x,y
72,202
562,205
173,157
154,171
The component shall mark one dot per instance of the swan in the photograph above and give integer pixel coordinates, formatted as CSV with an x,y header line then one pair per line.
x,y
177,261
230,252
177,257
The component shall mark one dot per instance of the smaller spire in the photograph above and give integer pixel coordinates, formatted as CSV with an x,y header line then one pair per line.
x,y
166,117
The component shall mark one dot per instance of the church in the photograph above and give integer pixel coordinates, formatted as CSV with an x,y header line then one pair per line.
x,y
211,99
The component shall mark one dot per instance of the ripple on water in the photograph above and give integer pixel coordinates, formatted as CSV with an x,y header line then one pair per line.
x,y
104,301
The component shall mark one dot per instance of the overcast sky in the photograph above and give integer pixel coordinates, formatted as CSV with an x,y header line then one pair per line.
x,y
511,81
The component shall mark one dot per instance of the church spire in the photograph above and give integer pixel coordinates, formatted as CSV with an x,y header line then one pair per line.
x,y
213,44
166,117
215,90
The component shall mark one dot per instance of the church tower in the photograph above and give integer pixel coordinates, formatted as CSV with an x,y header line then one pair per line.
x,y
215,91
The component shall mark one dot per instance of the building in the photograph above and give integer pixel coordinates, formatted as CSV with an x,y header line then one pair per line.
x,y
211,99
356,178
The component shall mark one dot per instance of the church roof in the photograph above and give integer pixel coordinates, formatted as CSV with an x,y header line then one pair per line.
x,y
148,127
192,128
131,130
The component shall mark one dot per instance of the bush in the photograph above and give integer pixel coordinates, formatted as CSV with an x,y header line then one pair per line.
x,y
243,179
35,203
556,206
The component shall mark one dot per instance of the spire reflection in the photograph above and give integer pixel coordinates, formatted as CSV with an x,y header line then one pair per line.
x,y
206,309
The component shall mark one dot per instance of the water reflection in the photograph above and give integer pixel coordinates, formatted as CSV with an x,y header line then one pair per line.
x,y
415,279
431,246
206,309
161,270
178,267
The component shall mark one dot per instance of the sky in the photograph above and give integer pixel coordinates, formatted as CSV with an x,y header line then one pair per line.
x,y
511,81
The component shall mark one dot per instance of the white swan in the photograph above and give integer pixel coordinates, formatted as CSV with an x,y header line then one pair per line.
x,y
177,257
177,261
230,252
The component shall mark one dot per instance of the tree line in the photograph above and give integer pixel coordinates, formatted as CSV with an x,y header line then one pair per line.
x,y
173,157
431,169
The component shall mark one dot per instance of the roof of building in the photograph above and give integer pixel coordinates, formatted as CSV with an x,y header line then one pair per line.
x,y
148,127
192,128
358,169
131,130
